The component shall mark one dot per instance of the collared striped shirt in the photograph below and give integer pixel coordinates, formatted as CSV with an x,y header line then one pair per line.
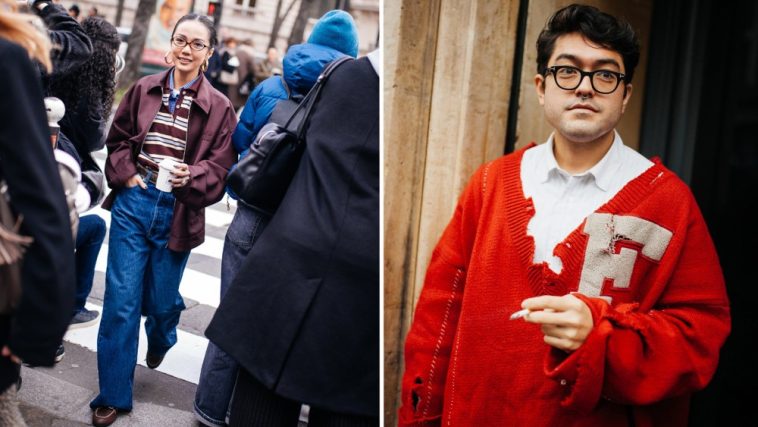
x,y
167,137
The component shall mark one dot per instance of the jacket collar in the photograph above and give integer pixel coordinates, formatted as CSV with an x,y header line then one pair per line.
x,y
203,98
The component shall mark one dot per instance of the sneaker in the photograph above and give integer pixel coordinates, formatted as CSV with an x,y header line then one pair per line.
x,y
84,318
59,353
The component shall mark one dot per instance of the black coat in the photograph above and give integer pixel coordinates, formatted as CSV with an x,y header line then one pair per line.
x,y
302,315
27,165
71,45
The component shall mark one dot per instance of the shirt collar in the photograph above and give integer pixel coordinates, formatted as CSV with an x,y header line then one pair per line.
x,y
190,86
602,172
607,167
548,165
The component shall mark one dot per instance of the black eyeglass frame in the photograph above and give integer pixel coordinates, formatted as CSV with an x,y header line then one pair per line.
x,y
620,77
180,42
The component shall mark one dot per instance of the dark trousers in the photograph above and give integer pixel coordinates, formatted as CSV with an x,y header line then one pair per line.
x,y
255,405
89,240
219,371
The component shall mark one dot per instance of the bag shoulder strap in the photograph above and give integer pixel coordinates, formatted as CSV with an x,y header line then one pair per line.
x,y
282,111
300,116
286,87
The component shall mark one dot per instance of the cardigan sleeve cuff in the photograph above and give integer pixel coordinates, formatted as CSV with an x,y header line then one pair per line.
x,y
581,372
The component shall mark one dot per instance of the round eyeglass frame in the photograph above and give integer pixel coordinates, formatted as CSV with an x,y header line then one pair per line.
x,y
620,77
181,42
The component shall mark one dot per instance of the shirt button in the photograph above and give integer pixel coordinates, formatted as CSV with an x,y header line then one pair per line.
x,y
564,382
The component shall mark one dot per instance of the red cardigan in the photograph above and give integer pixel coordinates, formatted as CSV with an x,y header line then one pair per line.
x,y
645,265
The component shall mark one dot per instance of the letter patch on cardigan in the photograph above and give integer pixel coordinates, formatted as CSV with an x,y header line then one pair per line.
x,y
601,261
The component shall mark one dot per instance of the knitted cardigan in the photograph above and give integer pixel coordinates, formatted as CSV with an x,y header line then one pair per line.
x,y
645,265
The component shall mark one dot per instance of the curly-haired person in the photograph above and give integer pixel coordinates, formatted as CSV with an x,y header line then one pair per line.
x,y
88,95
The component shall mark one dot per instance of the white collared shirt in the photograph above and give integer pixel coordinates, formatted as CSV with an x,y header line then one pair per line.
x,y
562,201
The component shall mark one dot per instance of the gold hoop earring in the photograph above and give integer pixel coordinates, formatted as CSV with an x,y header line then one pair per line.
x,y
204,66
165,58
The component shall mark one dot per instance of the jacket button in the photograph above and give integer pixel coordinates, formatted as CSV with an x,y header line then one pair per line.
x,y
564,382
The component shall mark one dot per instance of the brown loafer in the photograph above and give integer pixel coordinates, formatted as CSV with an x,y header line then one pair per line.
x,y
104,416
153,360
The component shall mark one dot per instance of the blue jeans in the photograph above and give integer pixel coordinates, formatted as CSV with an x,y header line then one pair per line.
x,y
89,239
142,277
219,371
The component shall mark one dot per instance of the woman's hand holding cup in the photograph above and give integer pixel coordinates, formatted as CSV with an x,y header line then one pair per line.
x,y
180,175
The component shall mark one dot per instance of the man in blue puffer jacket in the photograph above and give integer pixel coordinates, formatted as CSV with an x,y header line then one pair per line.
x,y
333,36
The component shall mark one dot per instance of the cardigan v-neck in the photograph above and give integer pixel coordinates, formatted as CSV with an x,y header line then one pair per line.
x,y
520,210
562,200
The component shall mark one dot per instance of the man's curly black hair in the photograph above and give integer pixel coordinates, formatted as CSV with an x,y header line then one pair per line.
x,y
94,82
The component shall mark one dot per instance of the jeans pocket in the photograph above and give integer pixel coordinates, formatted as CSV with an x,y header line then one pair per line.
x,y
246,227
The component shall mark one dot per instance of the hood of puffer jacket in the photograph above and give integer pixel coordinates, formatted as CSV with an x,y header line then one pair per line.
x,y
303,63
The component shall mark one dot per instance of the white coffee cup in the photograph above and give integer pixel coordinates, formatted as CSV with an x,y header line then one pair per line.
x,y
165,173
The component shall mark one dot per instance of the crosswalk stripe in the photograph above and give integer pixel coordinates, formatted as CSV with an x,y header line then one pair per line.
x,y
182,361
196,285
212,246
215,217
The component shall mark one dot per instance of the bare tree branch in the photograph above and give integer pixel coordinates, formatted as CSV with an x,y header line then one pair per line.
x,y
137,38
279,20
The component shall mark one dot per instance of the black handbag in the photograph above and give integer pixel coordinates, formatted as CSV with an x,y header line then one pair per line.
x,y
261,178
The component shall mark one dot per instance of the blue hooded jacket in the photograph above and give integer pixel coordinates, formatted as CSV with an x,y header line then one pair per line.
x,y
334,35
302,65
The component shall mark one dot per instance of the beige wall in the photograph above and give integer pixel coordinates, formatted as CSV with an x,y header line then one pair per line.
x,y
447,71
447,85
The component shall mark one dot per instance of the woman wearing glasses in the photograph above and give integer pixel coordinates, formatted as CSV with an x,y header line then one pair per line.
x,y
174,115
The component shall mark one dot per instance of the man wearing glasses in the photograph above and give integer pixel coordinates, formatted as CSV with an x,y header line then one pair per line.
x,y
577,283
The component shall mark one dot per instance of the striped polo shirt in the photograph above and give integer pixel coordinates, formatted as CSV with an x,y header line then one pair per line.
x,y
167,137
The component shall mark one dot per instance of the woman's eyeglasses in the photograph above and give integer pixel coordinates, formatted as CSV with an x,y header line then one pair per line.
x,y
194,44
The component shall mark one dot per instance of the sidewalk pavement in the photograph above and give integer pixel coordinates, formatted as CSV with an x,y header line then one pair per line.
x,y
60,396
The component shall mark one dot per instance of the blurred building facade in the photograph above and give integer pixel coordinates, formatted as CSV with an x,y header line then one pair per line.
x,y
254,19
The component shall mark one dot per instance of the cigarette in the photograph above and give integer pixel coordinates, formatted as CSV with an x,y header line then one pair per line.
x,y
519,314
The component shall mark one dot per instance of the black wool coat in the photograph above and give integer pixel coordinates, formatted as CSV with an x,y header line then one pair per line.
x,y
26,163
302,315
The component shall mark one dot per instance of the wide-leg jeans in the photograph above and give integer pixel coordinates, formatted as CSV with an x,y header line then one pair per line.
x,y
142,277
219,371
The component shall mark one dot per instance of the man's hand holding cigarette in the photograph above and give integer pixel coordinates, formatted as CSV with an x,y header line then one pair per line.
x,y
566,321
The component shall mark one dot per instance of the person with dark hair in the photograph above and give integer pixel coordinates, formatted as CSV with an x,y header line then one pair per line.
x,y
338,37
239,93
568,289
268,67
228,74
174,121
71,47
74,11
87,94
32,326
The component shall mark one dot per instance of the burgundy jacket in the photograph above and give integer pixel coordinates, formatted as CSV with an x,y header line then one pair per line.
x,y
209,152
